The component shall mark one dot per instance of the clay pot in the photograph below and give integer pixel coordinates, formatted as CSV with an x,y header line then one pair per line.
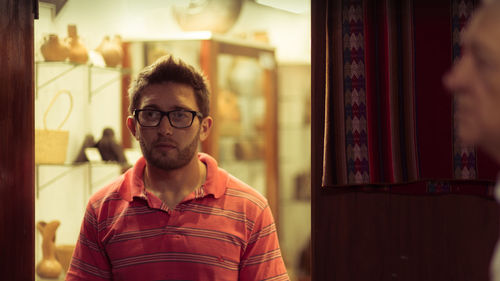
x,y
48,267
64,253
111,50
54,49
77,51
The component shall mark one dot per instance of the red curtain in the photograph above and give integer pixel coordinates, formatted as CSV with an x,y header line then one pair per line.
x,y
388,118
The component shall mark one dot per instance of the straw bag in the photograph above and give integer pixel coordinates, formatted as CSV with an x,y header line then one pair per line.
x,y
51,145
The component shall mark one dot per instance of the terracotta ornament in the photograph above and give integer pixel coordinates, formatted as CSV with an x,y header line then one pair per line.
x,y
78,52
111,50
54,49
48,267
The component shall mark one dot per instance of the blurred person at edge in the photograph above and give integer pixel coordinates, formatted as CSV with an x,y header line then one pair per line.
x,y
475,82
175,214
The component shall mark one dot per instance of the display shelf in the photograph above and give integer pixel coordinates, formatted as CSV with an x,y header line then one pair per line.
x,y
71,168
67,67
62,191
116,73
93,90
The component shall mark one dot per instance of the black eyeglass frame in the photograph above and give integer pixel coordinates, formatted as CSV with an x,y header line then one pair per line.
x,y
167,113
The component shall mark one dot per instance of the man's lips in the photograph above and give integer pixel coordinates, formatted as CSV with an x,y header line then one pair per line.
x,y
165,145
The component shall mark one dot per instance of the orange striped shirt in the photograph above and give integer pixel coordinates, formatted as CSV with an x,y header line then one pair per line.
x,y
223,230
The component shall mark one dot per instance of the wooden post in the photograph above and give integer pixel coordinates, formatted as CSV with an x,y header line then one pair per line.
x,y
17,204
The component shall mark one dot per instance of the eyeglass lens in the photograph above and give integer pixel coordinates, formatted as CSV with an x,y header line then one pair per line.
x,y
177,118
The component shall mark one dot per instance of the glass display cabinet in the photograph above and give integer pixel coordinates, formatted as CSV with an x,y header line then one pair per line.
x,y
242,78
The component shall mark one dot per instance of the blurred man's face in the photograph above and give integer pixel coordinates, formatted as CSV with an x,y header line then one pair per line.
x,y
475,81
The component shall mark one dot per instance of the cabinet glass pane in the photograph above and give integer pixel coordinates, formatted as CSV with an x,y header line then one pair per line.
x,y
187,50
241,118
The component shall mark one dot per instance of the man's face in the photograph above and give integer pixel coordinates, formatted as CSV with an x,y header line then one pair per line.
x,y
164,146
475,82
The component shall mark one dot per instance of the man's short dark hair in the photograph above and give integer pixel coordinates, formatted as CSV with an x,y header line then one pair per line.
x,y
171,69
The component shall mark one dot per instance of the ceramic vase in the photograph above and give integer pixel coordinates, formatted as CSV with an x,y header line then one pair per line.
x,y
64,253
54,49
111,50
77,51
48,267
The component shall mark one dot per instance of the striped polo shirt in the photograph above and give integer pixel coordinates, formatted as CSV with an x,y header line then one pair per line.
x,y
223,230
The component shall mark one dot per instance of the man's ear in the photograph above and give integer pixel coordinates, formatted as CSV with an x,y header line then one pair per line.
x,y
131,125
205,128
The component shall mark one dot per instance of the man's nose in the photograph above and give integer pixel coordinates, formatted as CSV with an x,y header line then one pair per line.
x,y
448,80
164,127
452,79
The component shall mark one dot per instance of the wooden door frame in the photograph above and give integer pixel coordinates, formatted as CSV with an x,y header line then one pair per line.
x,y
318,78
17,163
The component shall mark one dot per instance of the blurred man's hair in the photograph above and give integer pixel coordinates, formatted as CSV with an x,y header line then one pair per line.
x,y
171,69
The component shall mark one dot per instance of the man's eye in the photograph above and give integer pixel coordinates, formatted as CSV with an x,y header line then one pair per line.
x,y
151,114
179,114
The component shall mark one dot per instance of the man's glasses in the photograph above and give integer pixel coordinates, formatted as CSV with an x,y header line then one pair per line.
x,y
179,118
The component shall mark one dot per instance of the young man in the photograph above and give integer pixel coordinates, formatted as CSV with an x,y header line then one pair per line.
x,y
175,215
475,81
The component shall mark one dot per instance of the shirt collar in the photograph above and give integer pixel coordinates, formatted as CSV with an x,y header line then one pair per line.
x,y
215,183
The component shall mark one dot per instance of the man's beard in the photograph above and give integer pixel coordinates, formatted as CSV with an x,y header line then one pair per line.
x,y
163,161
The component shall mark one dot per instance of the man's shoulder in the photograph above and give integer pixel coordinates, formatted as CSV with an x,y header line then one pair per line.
x,y
108,193
239,190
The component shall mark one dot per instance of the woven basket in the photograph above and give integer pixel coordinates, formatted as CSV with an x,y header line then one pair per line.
x,y
51,145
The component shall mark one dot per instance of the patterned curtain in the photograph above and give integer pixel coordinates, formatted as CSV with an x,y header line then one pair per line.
x,y
388,118
464,156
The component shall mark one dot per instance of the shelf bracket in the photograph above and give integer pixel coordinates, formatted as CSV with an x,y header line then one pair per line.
x,y
101,87
73,66
40,187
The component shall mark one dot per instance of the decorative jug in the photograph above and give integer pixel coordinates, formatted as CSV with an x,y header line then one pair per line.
x,y
54,49
111,50
78,52
48,267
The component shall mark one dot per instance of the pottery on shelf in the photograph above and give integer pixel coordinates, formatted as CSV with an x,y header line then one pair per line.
x,y
48,267
64,253
111,50
54,49
77,51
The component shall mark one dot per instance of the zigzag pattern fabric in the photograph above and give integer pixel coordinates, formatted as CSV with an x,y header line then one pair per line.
x,y
354,93
464,156
389,121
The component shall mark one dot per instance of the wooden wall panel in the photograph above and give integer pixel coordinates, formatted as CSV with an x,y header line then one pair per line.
x,y
16,141
373,236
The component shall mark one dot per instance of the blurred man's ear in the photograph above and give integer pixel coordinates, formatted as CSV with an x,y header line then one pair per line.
x,y
131,125
206,127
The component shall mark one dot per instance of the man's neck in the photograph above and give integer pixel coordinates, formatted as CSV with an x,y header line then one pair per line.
x,y
174,185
